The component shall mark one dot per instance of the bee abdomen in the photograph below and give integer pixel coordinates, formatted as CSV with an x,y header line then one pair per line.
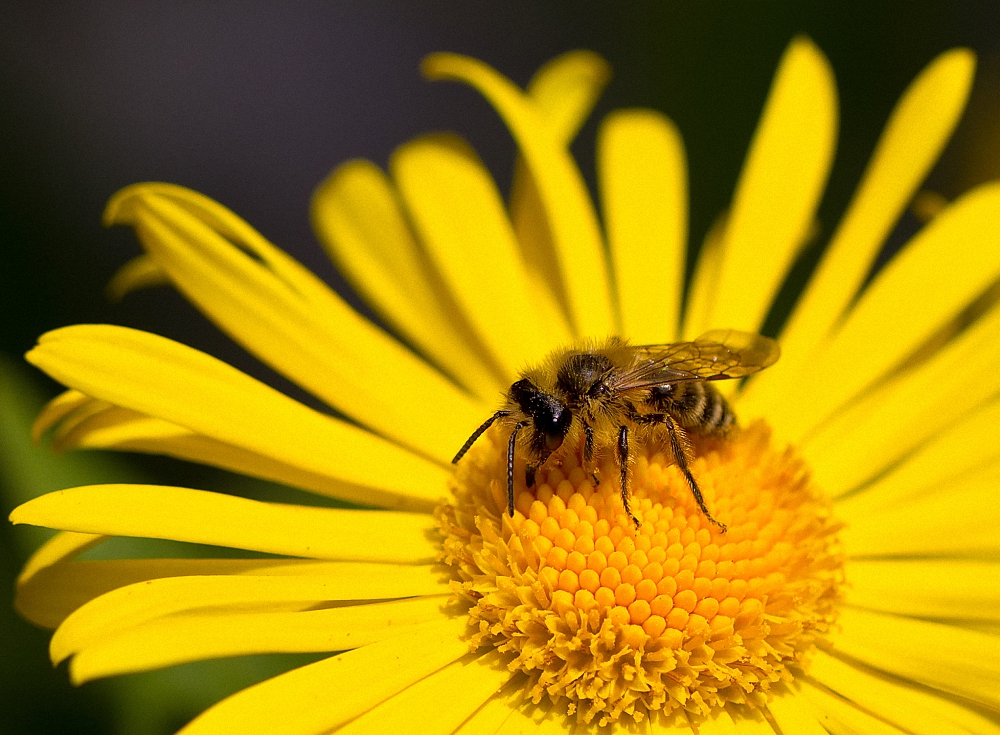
x,y
716,414
700,408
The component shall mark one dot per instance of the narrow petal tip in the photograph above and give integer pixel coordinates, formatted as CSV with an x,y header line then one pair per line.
x,y
139,273
582,62
19,514
120,209
960,60
442,64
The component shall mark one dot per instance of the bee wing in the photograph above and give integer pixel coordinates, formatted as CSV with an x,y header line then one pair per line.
x,y
716,355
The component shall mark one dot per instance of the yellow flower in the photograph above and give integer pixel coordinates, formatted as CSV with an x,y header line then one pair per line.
x,y
452,617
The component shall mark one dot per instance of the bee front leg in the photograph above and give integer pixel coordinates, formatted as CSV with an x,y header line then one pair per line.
x,y
510,466
623,462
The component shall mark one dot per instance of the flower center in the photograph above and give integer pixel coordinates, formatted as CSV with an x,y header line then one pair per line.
x,y
673,615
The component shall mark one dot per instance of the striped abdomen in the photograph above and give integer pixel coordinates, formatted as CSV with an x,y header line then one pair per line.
x,y
696,405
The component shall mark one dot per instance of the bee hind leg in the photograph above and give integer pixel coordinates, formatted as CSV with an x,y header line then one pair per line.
x,y
588,443
677,449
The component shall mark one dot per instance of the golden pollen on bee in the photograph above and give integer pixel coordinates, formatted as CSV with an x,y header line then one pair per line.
x,y
675,617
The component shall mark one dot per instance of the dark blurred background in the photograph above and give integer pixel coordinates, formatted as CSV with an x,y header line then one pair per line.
x,y
253,103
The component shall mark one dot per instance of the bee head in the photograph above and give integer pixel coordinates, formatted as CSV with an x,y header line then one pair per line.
x,y
550,415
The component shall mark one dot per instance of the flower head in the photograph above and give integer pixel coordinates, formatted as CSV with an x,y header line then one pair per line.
x,y
853,589
670,617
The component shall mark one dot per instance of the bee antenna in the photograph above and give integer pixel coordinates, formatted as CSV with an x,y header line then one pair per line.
x,y
478,433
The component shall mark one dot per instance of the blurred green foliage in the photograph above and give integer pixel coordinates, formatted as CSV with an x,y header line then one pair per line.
x,y
36,697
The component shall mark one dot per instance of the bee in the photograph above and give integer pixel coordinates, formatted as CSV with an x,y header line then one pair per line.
x,y
601,394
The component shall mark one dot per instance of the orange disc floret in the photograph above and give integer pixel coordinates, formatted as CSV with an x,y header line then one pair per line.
x,y
570,591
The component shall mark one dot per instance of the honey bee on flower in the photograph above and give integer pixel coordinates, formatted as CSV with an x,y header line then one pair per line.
x,y
592,395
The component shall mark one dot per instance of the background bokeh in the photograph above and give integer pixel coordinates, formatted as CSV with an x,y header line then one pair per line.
x,y
253,103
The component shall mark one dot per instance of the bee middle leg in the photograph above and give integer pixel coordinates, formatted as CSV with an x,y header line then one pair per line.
x,y
588,451
510,466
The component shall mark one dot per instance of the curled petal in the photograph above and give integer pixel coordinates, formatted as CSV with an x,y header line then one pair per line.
x,y
162,378
570,214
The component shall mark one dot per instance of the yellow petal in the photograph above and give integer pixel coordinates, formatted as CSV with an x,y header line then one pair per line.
x,y
50,594
195,636
917,130
541,262
933,408
542,720
464,685
779,189
964,448
314,338
926,588
358,218
793,713
910,708
130,431
957,519
947,265
156,511
318,698
84,414
955,660
988,627
496,710
570,214
722,723
461,219
563,92
61,547
642,173
140,272
132,605
58,409
841,718
705,280
162,378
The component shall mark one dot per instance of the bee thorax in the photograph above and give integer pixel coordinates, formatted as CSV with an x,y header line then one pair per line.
x,y
581,372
